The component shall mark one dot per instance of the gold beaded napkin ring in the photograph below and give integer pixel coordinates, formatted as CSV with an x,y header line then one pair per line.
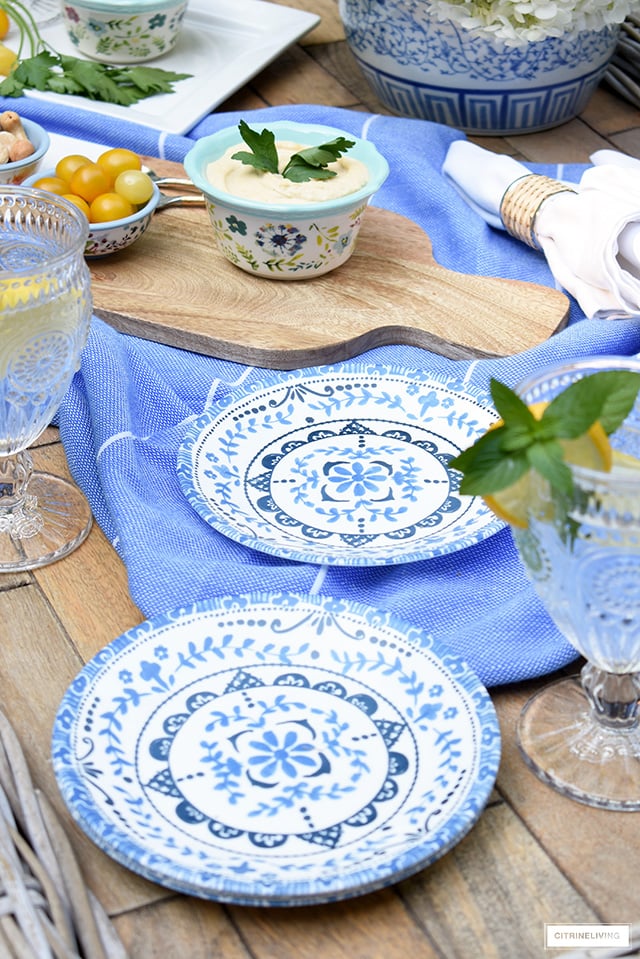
x,y
521,204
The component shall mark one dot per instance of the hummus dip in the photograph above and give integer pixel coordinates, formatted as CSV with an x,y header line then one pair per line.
x,y
245,181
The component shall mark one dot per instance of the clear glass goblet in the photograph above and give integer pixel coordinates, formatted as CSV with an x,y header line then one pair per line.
x,y
45,313
582,552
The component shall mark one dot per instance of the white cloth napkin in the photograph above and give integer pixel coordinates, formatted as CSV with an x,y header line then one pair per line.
x,y
590,237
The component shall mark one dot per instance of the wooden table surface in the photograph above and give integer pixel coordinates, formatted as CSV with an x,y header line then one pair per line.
x,y
533,857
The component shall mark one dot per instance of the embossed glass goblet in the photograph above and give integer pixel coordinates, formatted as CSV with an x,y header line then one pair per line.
x,y
45,312
582,552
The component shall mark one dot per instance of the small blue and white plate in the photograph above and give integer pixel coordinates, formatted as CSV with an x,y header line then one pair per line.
x,y
341,467
276,749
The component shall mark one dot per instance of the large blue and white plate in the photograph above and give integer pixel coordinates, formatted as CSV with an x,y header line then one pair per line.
x,y
276,749
341,467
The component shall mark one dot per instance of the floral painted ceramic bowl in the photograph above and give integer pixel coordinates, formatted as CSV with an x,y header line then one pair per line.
x,y
115,235
123,31
20,170
292,240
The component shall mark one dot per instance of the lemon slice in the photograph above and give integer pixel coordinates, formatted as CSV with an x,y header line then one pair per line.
x,y
22,292
625,460
591,450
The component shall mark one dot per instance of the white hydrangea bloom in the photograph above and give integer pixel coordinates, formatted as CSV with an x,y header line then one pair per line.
x,y
530,20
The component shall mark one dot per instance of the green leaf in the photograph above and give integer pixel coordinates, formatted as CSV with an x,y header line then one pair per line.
x,y
486,449
493,476
148,80
264,155
298,171
35,72
486,466
547,459
511,408
311,163
11,87
308,164
65,85
607,396
522,442
91,77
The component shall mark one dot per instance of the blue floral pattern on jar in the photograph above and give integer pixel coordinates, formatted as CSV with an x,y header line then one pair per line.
x,y
436,70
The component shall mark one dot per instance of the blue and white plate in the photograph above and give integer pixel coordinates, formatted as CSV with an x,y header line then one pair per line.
x,y
276,749
342,467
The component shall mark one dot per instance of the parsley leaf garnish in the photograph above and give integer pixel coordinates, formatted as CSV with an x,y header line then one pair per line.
x,y
96,81
264,155
47,70
309,164
502,455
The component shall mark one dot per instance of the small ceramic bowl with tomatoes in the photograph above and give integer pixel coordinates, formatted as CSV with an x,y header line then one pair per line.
x,y
118,199
116,235
19,170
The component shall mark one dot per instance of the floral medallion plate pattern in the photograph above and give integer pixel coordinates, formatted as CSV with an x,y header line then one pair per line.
x,y
341,467
276,749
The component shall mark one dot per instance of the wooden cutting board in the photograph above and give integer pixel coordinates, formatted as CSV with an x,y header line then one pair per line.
x,y
172,286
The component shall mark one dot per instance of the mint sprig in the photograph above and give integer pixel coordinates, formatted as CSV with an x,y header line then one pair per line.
x,y
521,443
308,164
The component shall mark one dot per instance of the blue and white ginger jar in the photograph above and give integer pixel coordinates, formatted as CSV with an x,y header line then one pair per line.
x,y
434,70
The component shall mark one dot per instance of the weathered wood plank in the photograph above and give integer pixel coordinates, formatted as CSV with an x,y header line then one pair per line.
x,y
180,928
37,663
296,77
467,913
371,927
597,850
570,143
330,27
338,62
89,588
609,114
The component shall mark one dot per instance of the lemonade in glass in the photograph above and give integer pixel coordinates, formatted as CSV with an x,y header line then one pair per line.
x,y
45,312
582,552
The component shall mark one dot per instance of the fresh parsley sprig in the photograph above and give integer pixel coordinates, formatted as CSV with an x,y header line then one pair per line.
x,y
308,164
311,163
522,442
47,70
264,155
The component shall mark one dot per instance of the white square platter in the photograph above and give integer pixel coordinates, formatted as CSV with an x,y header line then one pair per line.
x,y
223,45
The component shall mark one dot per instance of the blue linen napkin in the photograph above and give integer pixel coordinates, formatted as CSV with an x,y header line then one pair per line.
x,y
131,403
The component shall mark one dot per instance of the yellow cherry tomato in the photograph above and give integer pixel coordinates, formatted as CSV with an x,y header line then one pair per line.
x,y
52,184
67,166
135,186
8,60
4,24
117,160
109,206
77,201
89,181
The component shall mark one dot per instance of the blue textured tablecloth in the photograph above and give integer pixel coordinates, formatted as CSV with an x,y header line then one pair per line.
x,y
129,407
